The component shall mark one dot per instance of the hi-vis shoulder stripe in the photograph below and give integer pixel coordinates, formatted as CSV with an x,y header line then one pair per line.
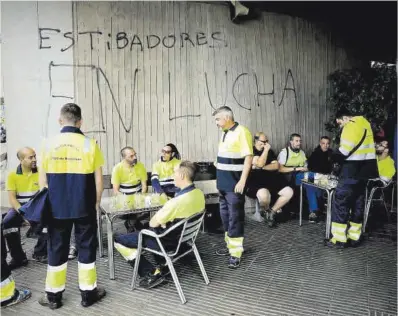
x,y
356,157
87,142
228,167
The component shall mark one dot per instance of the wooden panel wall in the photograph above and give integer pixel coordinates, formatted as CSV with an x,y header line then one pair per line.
x,y
271,72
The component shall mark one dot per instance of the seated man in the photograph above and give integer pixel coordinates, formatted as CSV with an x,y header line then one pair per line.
x,y
129,177
9,294
292,160
187,202
162,171
385,163
22,185
265,181
319,162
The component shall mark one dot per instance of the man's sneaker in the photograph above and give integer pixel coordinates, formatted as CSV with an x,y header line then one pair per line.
x,y
233,262
91,297
72,253
15,264
313,218
21,295
153,279
43,301
337,245
40,259
222,251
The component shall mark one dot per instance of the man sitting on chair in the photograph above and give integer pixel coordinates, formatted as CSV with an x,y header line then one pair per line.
x,y
187,202
385,164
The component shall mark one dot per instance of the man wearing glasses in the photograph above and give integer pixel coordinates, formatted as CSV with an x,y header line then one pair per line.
x,y
162,177
265,182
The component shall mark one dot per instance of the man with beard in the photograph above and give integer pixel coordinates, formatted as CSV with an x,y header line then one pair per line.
x,y
129,177
357,157
292,160
385,163
22,185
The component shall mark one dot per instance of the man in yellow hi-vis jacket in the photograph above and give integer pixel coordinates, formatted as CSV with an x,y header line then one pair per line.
x,y
357,157
71,168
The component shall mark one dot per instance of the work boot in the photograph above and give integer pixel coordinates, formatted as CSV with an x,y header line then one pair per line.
x,y
44,301
337,245
154,278
91,297
233,262
40,259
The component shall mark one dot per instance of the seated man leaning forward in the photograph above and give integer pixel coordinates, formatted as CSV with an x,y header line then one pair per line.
x,y
265,182
129,177
187,202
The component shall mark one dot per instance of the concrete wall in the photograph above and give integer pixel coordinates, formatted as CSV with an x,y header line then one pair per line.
x,y
31,112
148,73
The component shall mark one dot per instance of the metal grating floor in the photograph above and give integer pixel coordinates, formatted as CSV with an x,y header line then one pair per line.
x,y
285,271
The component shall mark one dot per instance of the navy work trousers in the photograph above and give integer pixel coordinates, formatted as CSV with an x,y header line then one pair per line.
x,y
232,211
349,195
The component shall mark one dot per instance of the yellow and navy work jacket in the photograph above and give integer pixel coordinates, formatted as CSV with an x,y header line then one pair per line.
x,y
129,178
162,177
186,203
234,146
386,168
69,161
359,163
25,185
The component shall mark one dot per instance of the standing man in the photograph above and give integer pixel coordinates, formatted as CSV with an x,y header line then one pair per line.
x,y
22,185
357,157
129,177
72,171
234,161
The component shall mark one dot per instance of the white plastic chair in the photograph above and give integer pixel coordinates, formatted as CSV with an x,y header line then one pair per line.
x,y
190,230
369,198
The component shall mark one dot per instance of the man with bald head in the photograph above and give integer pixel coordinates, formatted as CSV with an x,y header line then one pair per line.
x,y
22,185
129,177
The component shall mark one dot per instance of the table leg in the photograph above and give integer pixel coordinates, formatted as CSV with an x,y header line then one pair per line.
x,y
329,213
99,234
110,248
301,203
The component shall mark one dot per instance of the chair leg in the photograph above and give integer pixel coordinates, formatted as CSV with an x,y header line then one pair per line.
x,y
201,266
176,281
137,263
385,206
367,209
257,215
